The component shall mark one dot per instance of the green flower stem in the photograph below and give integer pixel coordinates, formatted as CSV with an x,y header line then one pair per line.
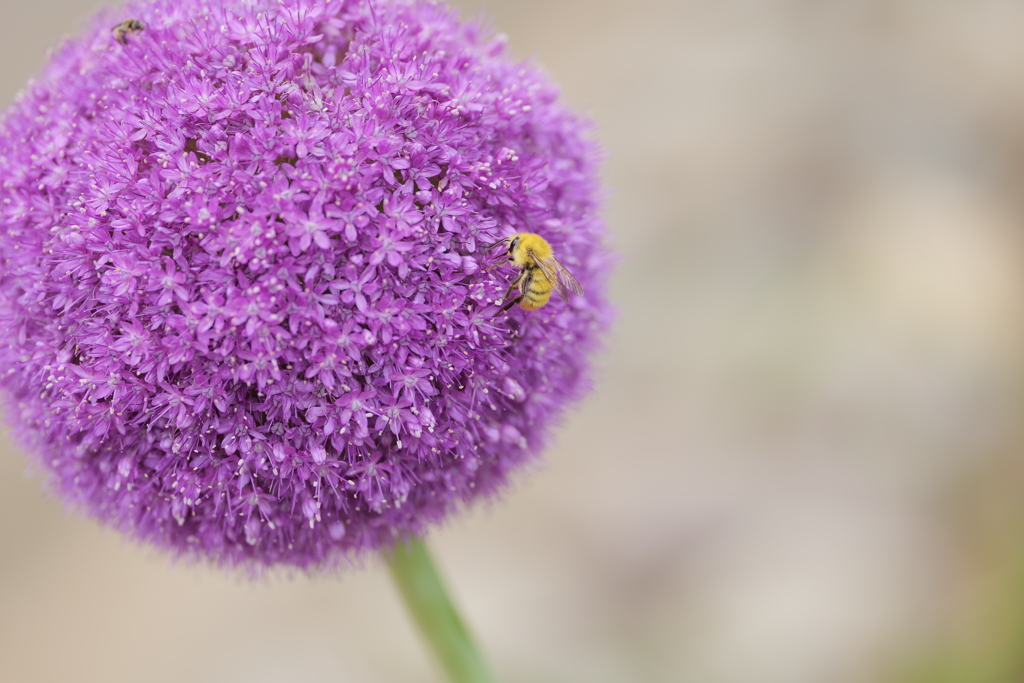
x,y
424,595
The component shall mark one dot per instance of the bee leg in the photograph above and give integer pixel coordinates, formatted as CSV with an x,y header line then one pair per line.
x,y
512,303
499,263
523,282
511,287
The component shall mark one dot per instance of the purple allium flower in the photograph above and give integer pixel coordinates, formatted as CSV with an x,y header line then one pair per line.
x,y
244,305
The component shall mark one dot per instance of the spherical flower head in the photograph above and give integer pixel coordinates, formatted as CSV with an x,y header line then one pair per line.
x,y
245,305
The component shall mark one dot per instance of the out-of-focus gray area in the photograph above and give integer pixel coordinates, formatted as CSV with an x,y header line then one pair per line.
x,y
800,464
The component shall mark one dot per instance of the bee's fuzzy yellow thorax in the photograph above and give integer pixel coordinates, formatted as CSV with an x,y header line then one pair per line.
x,y
525,242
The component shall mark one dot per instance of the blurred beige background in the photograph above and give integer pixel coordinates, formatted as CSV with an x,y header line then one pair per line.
x,y
801,465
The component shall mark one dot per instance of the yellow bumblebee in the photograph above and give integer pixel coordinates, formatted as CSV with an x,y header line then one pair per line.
x,y
539,274
127,26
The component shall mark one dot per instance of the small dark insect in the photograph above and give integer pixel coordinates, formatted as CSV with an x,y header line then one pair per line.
x,y
127,26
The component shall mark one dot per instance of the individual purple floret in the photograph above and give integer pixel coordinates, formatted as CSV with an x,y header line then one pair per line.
x,y
244,307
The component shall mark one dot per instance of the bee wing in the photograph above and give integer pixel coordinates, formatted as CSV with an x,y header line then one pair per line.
x,y
549,273
567,280
560,278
